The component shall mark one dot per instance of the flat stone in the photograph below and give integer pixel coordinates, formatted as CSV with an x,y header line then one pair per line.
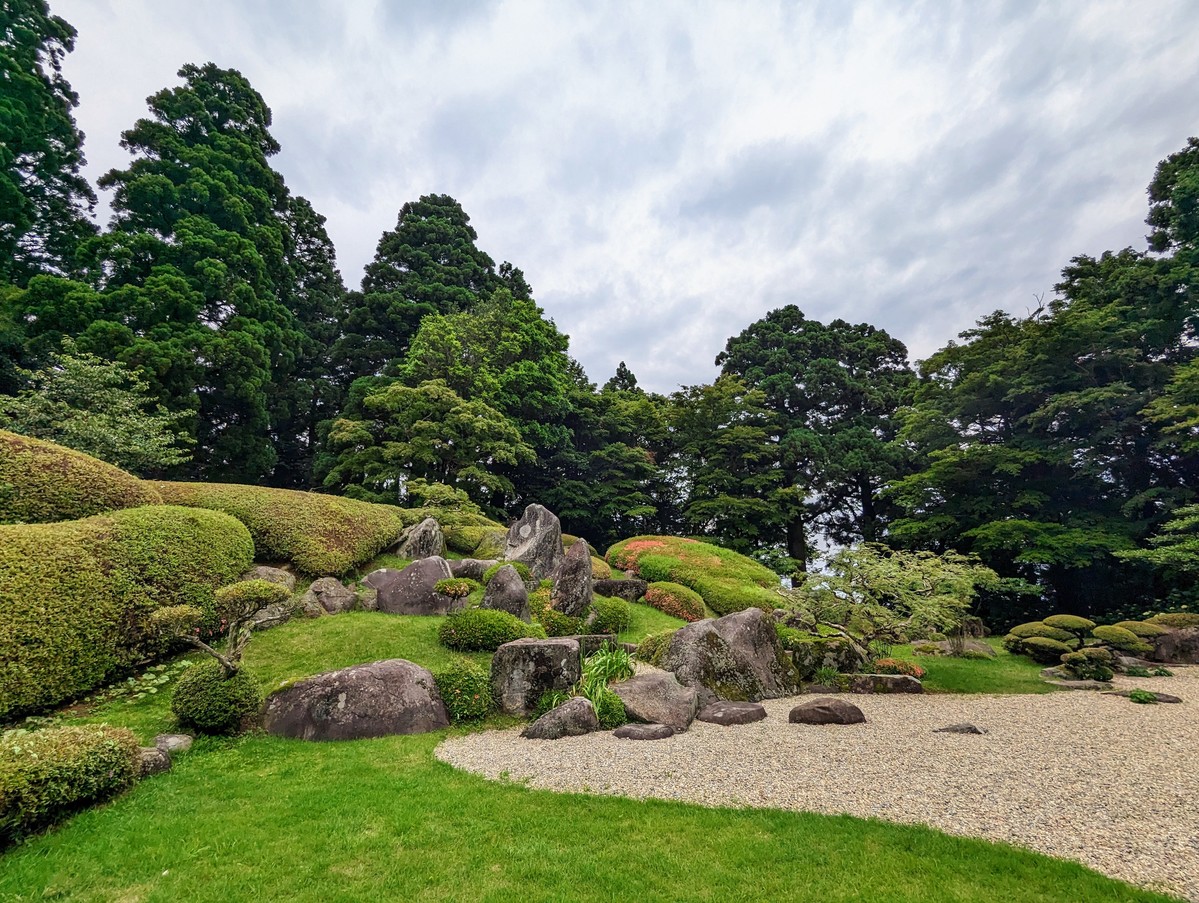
x,y
152,760
964,727
826,710
173,743
1081,684
644,732
411,591
728,713
657,698
884,683
573,718
1161,697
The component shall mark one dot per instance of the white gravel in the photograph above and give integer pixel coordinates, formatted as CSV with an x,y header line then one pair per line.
x,y
1079,775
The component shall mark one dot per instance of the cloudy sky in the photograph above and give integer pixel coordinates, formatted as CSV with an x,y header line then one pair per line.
x,y
665,173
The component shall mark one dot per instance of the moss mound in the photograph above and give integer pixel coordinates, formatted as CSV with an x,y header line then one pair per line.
x,y
726,580
322,535
75,597
41,482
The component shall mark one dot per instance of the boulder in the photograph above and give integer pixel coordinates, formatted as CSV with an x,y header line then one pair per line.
x,y
964,727
506,592
727,713
536,541
812,652
1177,646
657,697
372,700
573,718
737,657
330,594
471,568
173,743
643,732
425,540
1161,697
410,591
285,579
591,643
571,594
883,683
826,710
152,760
524,670
630,590
274,615
368,598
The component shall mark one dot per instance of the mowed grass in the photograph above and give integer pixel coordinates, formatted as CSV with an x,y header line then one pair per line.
x,y
1006,673
259,818
646,620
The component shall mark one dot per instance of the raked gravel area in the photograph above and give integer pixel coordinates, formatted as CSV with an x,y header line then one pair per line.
x,y
1074,774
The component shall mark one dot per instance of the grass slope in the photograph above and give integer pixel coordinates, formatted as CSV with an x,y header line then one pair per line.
x,y
1006,673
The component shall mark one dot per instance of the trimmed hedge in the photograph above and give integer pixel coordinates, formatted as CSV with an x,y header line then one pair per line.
x,y
611,615
600,569
675,599
212,703
1178,619
1143,629
483,630
322,535
46,775
75,597
1119,638
41,482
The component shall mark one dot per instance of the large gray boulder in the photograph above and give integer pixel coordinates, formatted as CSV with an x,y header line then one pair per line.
x,y
573,718
536,541
372,700
657,698
524,670
410,591
506,592
285,579
471,568
630,590
1177,646
737,657
571,594
330,594
425,540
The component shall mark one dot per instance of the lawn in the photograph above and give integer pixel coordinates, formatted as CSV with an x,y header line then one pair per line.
x,y
1006,673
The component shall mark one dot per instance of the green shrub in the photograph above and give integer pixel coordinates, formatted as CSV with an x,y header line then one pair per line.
x,y
1039,628
322,535
465,689
1161,672
897,666
76,597
600,569
558,624
456,587
608,708
1043,649
483,630
41,482
608,664
521,568
210,702
1176,619
611,615
1143,697
47,774
652,649
675,599
1081,666
1143,629
1072,623
1137,671
1119,638
249,595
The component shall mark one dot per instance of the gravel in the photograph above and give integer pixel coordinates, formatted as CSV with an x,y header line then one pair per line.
x,y
1078,775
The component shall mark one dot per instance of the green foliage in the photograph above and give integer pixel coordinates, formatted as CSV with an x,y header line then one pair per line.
x,y
611,615
1092,663
96,583
249,596
1161,672
896,666
1136,671
476,541
321,535
602,667
675,599
46,775
97,407
1143,697
465,688
520,567
1071,623
608,708
558,624
1177,619
653,648
600,569
1143,629
1043,649
608,664
456,587
1040,628
42,482
483,629
1119,638
215,703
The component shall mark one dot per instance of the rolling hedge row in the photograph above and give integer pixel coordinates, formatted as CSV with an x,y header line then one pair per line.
x,y
75,596
322,535
41,482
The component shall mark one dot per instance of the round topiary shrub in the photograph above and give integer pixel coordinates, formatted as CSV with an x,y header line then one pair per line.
x,y
1040,628
897,666
465,689
456,587
1177,619
600,569
482,630
558,624
1119,638
1043,649
210,702
608,708
520,566
675,599
1143,629
1072,623
611,615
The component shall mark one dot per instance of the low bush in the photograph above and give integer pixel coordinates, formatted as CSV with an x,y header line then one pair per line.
x,y
456,587
1143,697
1039,628
76,597
1137,671
483,630
611,615
600,569
1119,638
249,594
557,624
1143,629
675,599
210,702
1072,623
48,774
465,689
1043,649
486,540
520,566
1179,619
897,666
652,649
322,535
1085,665
41,482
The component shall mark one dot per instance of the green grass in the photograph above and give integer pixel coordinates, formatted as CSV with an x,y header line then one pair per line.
x,y
1006,673
647,620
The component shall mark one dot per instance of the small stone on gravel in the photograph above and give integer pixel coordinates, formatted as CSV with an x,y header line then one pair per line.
x,y
726,713
964,728
826,710
643,732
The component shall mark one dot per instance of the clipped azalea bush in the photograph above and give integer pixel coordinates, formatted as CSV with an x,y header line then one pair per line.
x,y
465,689
1143,629
1121,639
48,774
611,615
41,482
322,535
675,599
483,630
600,569
896,666
212,702
76,597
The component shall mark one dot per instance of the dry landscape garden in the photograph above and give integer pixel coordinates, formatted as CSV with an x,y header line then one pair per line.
x,y
317,594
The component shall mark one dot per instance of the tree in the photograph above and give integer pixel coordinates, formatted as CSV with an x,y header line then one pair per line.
x,y
833,391
100,408
45,202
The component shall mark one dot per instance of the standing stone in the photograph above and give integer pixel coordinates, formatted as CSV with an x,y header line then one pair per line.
x,y
657,698
506,592
524,670
471,568
630,590
330,594
372,700
572,583
573,718
411,591
826,710
737,657
536,541
425,540
285,579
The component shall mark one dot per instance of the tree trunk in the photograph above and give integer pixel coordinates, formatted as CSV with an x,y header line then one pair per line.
x,y
869,522
797,542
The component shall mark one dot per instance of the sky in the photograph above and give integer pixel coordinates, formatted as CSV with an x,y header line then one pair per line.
x,y
667,173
